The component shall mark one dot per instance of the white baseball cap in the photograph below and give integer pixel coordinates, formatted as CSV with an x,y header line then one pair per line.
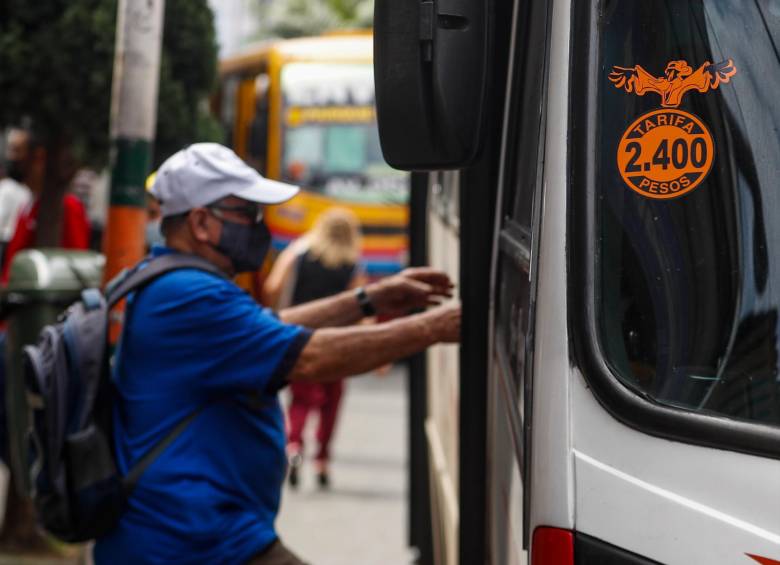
x,y
203,173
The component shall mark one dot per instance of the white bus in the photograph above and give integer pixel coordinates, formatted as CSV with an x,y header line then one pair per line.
x,y
604,179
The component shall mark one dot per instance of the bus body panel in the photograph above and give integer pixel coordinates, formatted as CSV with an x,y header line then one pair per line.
x,y
670,501
274,166
552,500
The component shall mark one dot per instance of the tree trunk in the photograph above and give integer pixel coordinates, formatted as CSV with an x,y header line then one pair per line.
x,y
49,226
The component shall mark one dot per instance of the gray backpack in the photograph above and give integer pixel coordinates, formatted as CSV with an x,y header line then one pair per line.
x,y
76,487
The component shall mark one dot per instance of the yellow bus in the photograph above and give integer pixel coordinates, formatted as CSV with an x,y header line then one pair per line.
x,y
302,111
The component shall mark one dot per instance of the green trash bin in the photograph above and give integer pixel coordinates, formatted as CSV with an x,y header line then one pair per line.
x,y
42,283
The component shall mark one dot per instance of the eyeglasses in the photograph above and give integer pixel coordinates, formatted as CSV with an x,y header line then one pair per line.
x,y
253,213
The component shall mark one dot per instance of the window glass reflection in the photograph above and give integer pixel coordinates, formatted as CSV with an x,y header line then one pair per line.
x,y
690,285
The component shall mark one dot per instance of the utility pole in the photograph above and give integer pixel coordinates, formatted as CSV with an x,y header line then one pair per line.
x,y
136,80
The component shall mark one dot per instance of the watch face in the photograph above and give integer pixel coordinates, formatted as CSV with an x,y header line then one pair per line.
x,y
365,302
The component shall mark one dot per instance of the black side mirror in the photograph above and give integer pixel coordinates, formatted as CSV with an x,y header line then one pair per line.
x,y
430,70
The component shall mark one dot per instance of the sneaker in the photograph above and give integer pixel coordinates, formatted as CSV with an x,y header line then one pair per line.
x,y
323,480
295,462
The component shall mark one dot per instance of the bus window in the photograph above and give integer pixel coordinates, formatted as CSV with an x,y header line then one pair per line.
x,y
530,83
330,139
520,194
341,160
346,150
303,153
688,205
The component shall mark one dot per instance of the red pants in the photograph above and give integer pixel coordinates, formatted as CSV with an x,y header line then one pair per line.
x,y
324,397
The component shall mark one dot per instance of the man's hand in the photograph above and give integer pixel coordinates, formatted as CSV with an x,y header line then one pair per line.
x,y
411,289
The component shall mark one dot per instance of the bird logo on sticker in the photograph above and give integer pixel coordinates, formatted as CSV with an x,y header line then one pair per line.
x,y
668,152
679,77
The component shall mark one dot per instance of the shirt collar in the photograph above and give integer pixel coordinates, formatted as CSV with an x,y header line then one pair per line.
x,y
160,250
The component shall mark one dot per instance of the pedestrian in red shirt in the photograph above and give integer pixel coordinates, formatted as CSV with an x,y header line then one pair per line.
x,y
27,154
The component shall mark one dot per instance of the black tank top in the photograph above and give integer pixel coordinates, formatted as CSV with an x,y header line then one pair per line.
x,y
315,280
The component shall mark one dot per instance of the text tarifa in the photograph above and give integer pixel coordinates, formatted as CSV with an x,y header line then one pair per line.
x,y
666,119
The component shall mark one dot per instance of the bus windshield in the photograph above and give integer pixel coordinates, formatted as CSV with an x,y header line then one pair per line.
x,y
331,143
688,188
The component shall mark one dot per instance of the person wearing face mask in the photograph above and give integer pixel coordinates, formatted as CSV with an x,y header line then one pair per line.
x,y
195,348
15,196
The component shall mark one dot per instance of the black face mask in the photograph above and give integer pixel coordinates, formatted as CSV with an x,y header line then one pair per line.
x,y
245,244
15,170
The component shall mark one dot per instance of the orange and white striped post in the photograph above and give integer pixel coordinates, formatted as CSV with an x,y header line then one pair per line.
x,y
133,124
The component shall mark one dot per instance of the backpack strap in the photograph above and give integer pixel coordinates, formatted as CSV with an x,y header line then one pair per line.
x,y
117,290
158,266
134,474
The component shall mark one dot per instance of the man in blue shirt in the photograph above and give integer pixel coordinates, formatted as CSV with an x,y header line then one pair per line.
x,y
194,343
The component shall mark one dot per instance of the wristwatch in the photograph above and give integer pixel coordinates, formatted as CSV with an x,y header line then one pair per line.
x,y
366,306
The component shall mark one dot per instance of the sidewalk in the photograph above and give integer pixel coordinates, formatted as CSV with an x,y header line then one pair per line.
x,y
361,520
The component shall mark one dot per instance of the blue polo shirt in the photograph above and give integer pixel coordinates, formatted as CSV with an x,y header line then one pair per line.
x,y
194,341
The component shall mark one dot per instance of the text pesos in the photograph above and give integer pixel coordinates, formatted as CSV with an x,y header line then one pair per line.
x,y
665,153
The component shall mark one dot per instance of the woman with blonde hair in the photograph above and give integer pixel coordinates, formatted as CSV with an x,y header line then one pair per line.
x,y
321,263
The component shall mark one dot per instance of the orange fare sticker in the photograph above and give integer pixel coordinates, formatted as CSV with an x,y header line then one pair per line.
x,y
665,153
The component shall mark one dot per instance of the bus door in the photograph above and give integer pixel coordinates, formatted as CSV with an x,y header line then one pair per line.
x,y
510,409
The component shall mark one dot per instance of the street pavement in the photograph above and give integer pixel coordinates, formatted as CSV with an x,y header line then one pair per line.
x,y
361,519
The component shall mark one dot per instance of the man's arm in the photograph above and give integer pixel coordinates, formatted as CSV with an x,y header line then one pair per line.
x,y
335,353
411,289
339,310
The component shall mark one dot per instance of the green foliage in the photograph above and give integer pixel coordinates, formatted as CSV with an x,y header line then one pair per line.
x,y
187,76
296,18
56,58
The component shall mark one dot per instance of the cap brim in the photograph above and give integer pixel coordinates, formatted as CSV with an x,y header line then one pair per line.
x,y
268,192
